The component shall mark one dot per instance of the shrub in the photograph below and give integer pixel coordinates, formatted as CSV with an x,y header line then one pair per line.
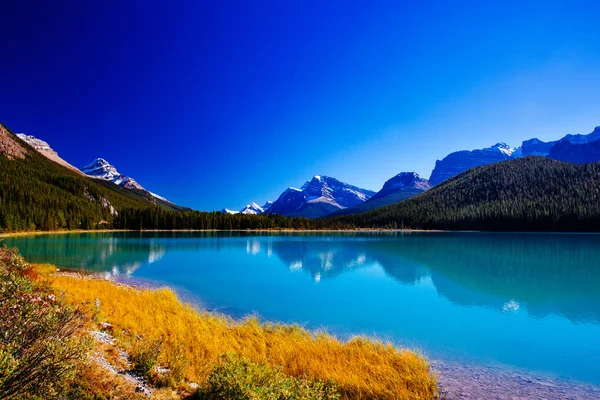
x,y
39,348
144,356
238,378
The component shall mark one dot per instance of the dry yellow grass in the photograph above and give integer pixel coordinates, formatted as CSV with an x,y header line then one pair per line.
x,y
362,368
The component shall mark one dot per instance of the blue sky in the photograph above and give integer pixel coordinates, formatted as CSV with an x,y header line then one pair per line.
x,y
215,104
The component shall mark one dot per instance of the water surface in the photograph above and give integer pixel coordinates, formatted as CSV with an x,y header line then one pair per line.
x,y
526,301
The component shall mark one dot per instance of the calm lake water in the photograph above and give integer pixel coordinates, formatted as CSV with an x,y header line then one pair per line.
x,y
526,301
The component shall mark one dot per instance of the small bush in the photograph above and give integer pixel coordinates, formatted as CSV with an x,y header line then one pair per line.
x,y
39,346
144,356
239,378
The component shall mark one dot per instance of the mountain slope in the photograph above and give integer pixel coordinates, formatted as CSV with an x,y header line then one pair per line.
x,y
398,188
44,148
252,209
39,194
530,193
102,170
576,153
320,196
459,161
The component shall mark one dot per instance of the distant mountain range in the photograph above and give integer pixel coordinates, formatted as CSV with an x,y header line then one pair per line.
x,y
314,201
572,148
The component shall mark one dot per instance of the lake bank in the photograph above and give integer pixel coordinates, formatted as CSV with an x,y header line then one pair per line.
x,y
357,230
357,367
457,380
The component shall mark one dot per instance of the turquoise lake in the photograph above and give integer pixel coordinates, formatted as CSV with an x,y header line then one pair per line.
x,y
524,301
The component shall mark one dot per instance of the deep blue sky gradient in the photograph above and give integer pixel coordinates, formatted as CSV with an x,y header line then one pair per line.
x,y
218,103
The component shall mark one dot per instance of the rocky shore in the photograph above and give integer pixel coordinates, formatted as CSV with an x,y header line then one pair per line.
x,y
460,381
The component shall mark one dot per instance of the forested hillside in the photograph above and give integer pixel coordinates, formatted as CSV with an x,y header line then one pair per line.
x,y
531,193
39,194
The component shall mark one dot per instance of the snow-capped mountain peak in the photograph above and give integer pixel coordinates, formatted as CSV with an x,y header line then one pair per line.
x,y
504,149
319,196
102,169
252,208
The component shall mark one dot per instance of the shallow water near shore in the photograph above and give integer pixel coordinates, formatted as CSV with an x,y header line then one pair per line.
x,y
525,301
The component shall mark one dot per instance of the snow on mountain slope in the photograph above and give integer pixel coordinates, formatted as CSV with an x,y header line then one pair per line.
x,y
102,169
253,209
318,197
44,148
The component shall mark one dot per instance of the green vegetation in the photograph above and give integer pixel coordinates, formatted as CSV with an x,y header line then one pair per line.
x,y
39,346
155,218
241,379
39,194
527,194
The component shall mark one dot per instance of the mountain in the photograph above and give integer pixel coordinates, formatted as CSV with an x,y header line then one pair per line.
x,y
44,148
252,208
460,161
318,197
102,169
398,188
525,194
535,147
581,139
37,193
228,211
576,153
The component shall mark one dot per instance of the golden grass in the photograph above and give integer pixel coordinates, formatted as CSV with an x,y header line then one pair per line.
x,y
362,368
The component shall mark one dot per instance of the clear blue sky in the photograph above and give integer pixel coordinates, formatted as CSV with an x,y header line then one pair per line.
x,y
217,103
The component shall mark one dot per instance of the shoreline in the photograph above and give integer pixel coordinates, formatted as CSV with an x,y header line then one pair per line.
x,y
357,230
458,380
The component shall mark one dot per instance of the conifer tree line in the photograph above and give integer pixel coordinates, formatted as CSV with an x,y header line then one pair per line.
x,y
155,218
526,194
